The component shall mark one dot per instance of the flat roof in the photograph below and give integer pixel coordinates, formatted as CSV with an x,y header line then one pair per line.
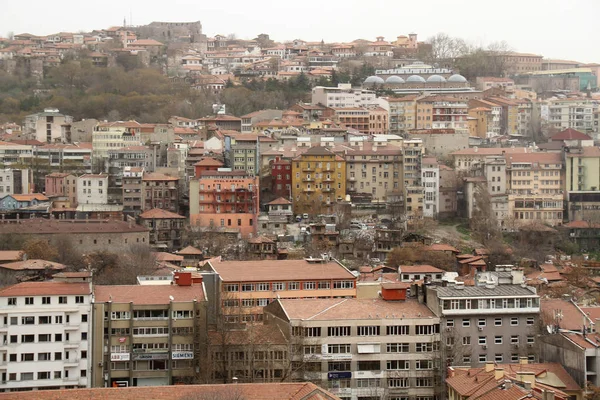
x,y
279,270
478,291
145,295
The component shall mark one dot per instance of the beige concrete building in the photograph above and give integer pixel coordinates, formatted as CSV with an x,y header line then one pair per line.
x,y
403,112
572,113
375,169
245,287
363,348
413,189
49,126
149,335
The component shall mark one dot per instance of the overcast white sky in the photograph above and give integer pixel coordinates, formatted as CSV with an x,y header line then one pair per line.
x,y
554,28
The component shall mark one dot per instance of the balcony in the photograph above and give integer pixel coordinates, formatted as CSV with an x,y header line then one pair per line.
x,y
328,180
308,190
328,190
351,189
307,169
352,179
71,362
71,327
71,344
306,179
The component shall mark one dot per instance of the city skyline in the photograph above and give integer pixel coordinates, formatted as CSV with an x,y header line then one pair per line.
x,y
529,29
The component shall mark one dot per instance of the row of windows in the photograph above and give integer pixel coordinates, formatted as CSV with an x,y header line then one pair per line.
x,y
43,338
468,304
42,319
45,300
275,286
47,356
368,330
481,322
482,340
149,314
29,376
153,365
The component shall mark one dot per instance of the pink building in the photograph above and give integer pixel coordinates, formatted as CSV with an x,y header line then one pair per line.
x,y
60,184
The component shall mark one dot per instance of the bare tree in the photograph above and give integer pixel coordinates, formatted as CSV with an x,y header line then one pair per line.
x,y
444,47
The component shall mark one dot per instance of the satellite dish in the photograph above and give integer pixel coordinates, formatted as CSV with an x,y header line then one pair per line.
x,y
549,328
171,298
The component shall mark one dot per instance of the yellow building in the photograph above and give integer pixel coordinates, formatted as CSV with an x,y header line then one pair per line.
x,y
413,189
582,182
318,181
510,114
478,122
403,112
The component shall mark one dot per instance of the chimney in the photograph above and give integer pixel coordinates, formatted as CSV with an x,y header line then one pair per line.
x,y
450,373
523,360
527,378
183,278
498,374
489,366
547,394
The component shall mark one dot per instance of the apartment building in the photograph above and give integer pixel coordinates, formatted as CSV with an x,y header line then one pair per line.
x,y
255,117
468,159
374,169
343,96
352,117
318,181
225,200
535,188
413,189
582,181
493,124
243,151
114,135
160,191
479,121
519,63
132,190
149,335
47,335
378,120
245,287
509,122
488,82
92,189
49,126
281,178
430,172
439,112
572,113
73,158
491,321
364,348
15,181
62,184
403,116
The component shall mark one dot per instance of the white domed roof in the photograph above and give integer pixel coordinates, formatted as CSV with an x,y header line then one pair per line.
x,y
457,78
415,78
394,79
374,79
436,79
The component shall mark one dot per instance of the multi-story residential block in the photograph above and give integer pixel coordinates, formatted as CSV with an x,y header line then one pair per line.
x,y
385,241
413,188
374,169
509,122
343,96
309,112
488,82
62,184
472,158
49,126
364,348
109,136
165,228
582,181
47,335
14,181
352,117
149,334
525,118
519,63
493,124
491,321
92,189
132,190
318,181
281,178
535,187
132,156
73,158
160,191
249,120
245,287
243,151
430,172
403,114
222,122
225,200
571,113
448,192
207,164
439,112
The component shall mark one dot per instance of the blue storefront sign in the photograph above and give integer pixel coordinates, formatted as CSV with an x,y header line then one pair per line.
x,y
339,375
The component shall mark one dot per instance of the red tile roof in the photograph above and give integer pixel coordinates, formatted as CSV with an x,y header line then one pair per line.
x,y
49,288
279,201
163,256
418,269
10,255
189,250
47,226
279,270
570,134
157,213
246,391
209,162
572,317
155,176
155,294
32,265
30,197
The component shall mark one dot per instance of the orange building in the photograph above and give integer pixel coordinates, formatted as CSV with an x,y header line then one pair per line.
x,y
222,200
206,164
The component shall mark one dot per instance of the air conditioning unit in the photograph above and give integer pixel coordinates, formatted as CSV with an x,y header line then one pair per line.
x,y
448,329
516,345
480,328
529,344
484,346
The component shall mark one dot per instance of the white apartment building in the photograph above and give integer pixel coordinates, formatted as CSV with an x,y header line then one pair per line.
x,y
430,172
113,136
14,181
344,96
572,113
49,126
92,189
364,348
46,335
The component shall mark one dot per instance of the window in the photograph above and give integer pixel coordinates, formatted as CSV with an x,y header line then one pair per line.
x,y
58,356
481,322
293,285
27,320
43,320
12,301
466,359
397,330
424,364
43,375
45,338
514,321
466,340
83,353
78,299
183,314
323,284
338,331
530,321
58,337
314,331
466,322
397,348
338,348
343,284
530,340
120,315
84,318
278,286
46,300
424,382
514,339
368,383
425,347
231,287
427,329
397,364
247,287
27,338
337,366
482,340
497,321
309,285
369,365
367,330
262,287
449,323
398,383
27,357
498,357
482,358
28,301
58,319
498,339
62,300
262,302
